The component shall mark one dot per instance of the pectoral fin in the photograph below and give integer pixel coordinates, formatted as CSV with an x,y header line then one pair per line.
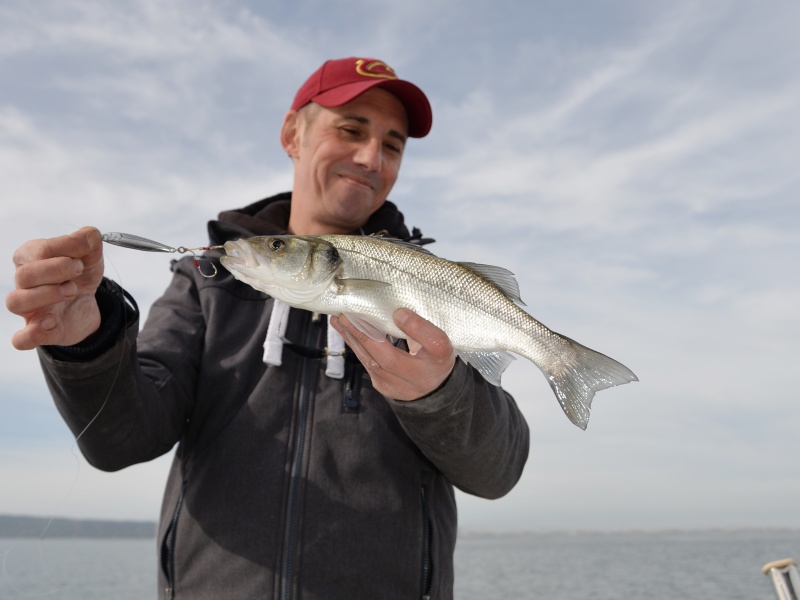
x,y
372,329
352,286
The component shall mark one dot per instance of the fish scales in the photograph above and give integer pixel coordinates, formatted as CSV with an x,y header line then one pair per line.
x,y
431,285
368,278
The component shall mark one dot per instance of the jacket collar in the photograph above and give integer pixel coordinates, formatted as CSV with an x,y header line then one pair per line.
x,y
270,216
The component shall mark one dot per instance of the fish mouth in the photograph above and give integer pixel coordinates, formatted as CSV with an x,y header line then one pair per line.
x,y
240,254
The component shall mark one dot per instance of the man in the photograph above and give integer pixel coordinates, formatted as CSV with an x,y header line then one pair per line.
x,y
292,479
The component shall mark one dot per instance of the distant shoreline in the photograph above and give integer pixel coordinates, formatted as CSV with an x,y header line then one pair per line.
x,y
632,532
13,526
18,526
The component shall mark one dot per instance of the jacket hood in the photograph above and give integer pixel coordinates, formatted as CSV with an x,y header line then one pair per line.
x,y
270,216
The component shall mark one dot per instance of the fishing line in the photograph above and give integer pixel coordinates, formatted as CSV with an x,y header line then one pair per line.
x,y
134,242
74,451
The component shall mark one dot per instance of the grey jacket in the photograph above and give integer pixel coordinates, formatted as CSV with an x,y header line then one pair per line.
x,y
285,483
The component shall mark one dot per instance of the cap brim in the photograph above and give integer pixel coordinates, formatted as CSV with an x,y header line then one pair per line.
x,y
418,109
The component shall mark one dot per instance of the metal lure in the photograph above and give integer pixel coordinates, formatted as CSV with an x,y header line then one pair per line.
x,y
135,242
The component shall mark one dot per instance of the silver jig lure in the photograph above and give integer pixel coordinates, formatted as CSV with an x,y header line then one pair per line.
x,y
136,242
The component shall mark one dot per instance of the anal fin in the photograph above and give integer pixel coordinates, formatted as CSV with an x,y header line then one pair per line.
x,y
489,363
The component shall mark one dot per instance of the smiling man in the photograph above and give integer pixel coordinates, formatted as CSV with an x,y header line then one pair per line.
x,y
301,471
346,160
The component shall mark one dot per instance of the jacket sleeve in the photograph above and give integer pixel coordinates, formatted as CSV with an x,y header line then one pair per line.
x,y
471,430
131,403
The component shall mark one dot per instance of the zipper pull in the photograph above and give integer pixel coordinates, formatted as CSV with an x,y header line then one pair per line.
x,y
170,594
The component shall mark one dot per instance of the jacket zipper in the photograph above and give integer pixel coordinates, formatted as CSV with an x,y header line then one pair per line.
x,y
168,547
427,547
290,535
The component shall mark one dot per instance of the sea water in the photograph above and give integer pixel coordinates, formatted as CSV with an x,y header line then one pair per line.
x,y
78,569
703,565
613,566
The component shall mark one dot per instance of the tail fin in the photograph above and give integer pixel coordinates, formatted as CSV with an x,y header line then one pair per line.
x,y
576,383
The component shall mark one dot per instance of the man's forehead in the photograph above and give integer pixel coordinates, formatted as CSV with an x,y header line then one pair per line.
x,y
375,106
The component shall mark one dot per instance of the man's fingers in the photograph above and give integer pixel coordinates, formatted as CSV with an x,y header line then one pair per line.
x,y
50,271
428,337
55,283
36,333
27,301
422,335
78,244
351,337
23,339
379,354
394,372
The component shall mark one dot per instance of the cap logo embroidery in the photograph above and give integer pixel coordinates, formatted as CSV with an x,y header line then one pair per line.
x,y
375,68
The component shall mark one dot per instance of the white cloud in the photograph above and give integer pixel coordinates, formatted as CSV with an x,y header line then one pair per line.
x,y
636,172
146,30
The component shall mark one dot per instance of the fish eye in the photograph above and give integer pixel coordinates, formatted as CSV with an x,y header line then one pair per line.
x,y
277,245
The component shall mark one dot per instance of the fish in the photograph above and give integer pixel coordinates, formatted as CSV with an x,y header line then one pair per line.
x,y
367,278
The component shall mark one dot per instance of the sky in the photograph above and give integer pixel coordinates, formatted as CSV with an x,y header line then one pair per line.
x,y
633,163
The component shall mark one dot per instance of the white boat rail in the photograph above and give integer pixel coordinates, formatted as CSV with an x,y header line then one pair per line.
x,y
784,577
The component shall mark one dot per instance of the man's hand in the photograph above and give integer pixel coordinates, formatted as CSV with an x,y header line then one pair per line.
x,y
56,280
396,373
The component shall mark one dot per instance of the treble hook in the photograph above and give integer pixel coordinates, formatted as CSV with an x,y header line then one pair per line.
x,y
181,249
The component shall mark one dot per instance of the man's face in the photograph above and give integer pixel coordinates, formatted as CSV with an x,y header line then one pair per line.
x,y
346,161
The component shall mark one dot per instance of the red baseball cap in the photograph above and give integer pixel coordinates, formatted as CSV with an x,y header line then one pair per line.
x,y
337,82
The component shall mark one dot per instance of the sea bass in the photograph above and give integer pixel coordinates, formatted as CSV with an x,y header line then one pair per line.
x,y
477,306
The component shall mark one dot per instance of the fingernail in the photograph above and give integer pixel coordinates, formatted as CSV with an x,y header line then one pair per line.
x,y
48,323
77,265
401,316
348,338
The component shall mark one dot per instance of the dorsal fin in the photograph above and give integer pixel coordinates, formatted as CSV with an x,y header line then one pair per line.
x,y
502,278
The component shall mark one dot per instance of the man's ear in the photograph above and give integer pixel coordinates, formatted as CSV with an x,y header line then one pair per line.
x,y
290,133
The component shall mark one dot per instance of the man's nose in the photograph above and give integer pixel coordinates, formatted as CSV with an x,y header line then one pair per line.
x,y
369,155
